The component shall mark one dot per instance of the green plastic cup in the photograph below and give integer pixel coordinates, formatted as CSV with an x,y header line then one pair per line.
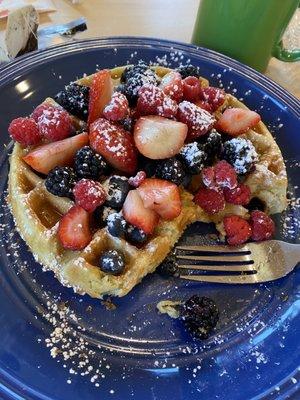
x,y
247,30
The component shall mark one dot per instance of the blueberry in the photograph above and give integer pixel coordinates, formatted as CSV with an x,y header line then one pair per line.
x,y
135,235
117,190
116,225
112,262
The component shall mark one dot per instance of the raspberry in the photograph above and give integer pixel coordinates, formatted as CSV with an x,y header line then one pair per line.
x,y
54,123
240,195
225,175
204,105
198,120
150,98
191,88
237,229
209,178
210,200
136,180
89,194
214,96
263,226
24,131
118,107
168,109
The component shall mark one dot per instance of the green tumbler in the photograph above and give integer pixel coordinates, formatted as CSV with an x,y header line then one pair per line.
x,y
247,30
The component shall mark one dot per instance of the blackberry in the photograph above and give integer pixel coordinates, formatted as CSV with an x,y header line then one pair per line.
x,y
169,267
213,146
132,70
116,225
171,170
117,189
133,84
75,99
112,262
89,164
135,235
188,70
200,316
127,124
194,157
60,181
241,154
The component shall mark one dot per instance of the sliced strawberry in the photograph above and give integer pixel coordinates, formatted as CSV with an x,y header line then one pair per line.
x,y
137,214
198,120
171,84
158,137
100,94
115,144
237,229
61,153
236,121
161,196
215,97
74,230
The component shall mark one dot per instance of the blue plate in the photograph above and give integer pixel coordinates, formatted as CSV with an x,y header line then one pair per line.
x,y
131,351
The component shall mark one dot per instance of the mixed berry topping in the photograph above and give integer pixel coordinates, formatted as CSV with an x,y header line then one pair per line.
x,y
200,316
75,99
241,154
60,181
89,164
112,262
171,170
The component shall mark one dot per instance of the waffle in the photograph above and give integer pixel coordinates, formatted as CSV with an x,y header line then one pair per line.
x,y
37,213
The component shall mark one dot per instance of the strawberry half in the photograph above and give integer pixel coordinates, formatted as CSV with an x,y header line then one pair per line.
x,y
137,214
74,230
100,94
161,196
172,86
61,153
158,137
236,121
114,144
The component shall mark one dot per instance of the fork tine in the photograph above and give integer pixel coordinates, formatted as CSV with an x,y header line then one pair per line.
x,y
231,279
217,257
213,249
228,268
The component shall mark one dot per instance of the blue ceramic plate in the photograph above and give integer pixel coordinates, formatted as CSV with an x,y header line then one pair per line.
x,y
131,351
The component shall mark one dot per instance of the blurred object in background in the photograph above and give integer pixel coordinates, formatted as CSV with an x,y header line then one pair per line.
x,y
41,6
20,36
247,30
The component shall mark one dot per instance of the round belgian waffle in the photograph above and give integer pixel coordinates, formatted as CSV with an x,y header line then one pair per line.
x,y
37,213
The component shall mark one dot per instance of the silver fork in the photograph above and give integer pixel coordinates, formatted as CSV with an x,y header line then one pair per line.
x,y
251,263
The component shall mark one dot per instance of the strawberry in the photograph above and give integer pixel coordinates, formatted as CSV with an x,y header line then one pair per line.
x,y
100,94
236,121
215,97
212,201
89,194
115,144
172,86
199,121
191,88
263,226
240,195
25,131
136,180
225,175
118,107
137,214
61,153
237,229
161,196
74,230
168,109
54,122
157,137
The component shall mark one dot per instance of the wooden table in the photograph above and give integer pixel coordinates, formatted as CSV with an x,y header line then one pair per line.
x,y
167,19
